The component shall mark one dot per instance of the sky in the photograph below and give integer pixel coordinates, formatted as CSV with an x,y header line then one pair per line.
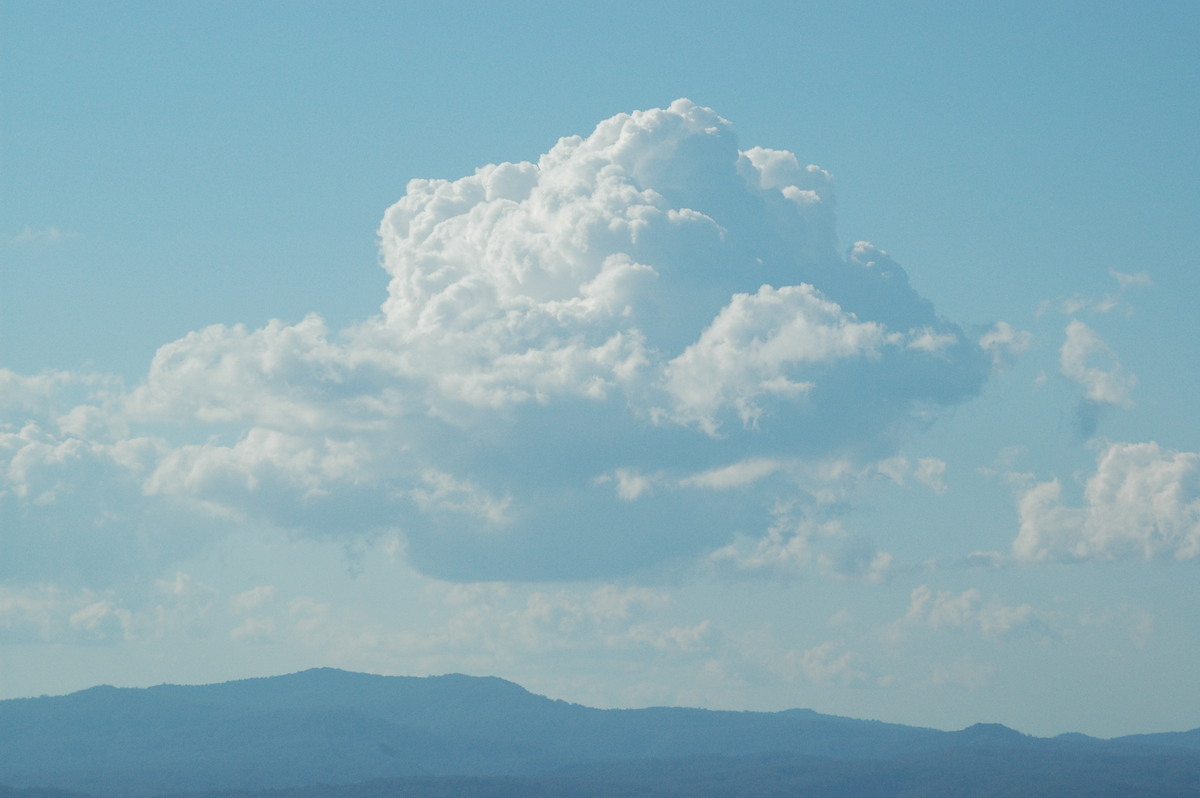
x,y
753,356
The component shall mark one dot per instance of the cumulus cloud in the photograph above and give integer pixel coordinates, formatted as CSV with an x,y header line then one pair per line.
x,y
1143,501
621,355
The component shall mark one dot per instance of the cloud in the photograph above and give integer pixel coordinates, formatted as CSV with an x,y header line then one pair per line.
x,y
46,614
74,509
43,236
1126,280
791,544
1142,502
618,357
929,471
963,611
1090,362
831,664
1107,303
785,549
499,619
253,599
1004,342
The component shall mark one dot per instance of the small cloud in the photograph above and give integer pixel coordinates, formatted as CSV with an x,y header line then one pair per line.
x,y
931,473
40,237
1080,303
858,559
631,485
929,340
831,664
894,468
928,471
963,611
1124,280
47,614
1090,362
1143,501
1004,342
736,475
253,598
254,630
782,551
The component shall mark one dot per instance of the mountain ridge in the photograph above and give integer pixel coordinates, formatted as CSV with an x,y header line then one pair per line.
x,y
340,727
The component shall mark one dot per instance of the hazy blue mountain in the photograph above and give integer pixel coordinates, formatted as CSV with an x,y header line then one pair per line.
x,y
337,728
1186,739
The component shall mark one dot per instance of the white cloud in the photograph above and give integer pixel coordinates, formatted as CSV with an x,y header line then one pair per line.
x,y
289,377
736,475
791,545
928,471
753,348
253,599
1079,303
1131,280
440,492
831,664
963,611
931,472
630,483
858,559
1004,342
1089,361
254,630
47,614
577,362
783,550
1142,501
101,619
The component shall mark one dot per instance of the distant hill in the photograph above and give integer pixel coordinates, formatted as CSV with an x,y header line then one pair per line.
x,y
334,728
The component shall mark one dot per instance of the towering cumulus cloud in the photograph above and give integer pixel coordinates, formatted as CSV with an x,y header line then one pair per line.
x,y
633,351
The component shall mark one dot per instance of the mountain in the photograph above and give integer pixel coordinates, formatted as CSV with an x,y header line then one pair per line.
x,y
332,727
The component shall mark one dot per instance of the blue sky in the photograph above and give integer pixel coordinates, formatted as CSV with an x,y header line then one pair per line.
x,y
621,399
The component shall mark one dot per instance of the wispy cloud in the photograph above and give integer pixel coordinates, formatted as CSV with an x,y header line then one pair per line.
x,y
30,236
